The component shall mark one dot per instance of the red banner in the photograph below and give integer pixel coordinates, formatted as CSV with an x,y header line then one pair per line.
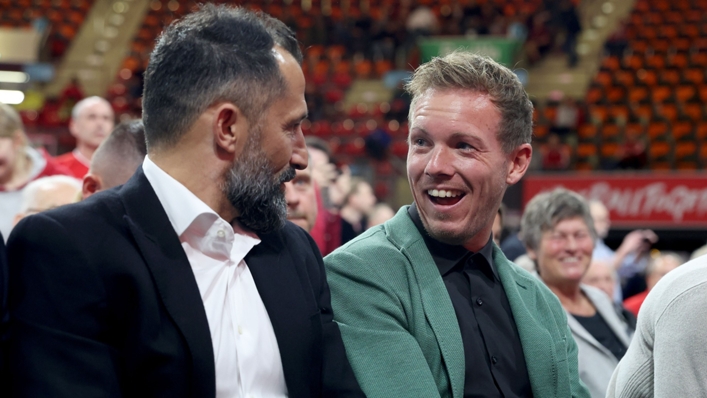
x,y
635,200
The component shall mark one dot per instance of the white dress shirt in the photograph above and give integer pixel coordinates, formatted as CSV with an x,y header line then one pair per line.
x,y
247,358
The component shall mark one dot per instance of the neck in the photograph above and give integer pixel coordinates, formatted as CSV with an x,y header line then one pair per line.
x,y
85,150
204,183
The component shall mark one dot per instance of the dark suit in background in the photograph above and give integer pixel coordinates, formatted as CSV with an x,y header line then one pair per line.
x,y
105,303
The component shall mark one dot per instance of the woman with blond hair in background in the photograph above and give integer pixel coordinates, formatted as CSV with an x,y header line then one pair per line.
x,y
558,232
19,164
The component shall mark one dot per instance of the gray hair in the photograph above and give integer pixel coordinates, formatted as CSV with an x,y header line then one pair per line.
x,y
547,209
81,105
29,193
217,53
463,70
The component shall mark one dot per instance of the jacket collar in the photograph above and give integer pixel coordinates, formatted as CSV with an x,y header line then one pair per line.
x,y
606,310
521,289
173,276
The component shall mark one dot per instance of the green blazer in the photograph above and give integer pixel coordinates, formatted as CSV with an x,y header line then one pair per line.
x,y
400,330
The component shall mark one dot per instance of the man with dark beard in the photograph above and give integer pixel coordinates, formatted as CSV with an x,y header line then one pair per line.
x,y
187,281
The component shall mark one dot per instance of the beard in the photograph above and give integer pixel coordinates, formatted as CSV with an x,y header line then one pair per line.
x,y
255,191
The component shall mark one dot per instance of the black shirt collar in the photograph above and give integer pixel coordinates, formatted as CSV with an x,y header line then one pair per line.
x,y
446,256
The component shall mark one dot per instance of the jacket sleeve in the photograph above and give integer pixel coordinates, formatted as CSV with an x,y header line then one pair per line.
x,y
57,305
385,356
338,379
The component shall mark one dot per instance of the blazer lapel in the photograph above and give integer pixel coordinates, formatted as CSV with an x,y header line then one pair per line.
x,y
436,303
173,276
537,341
290,310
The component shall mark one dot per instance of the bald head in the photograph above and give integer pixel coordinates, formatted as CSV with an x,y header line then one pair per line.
x,y
601,276
47,193
117,158
660,265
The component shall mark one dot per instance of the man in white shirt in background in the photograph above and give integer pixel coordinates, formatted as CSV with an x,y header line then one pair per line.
x,y
187,281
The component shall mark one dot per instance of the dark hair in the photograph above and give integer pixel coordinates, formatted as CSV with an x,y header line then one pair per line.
x,y
217,53
120,154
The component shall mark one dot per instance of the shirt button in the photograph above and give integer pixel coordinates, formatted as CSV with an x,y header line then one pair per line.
x,y
220,233
479,301
494,360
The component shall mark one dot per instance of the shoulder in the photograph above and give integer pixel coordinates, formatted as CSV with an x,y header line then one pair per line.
x,y
86,221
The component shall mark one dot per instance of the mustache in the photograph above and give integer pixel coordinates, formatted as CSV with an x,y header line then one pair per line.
x,y
287,175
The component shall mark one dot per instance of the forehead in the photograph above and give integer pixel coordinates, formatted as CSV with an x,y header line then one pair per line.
x,y
456,108
291,103
94,107
571,224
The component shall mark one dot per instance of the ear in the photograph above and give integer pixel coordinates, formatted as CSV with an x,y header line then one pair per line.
x,y
230,128
91,185
518,164
72,127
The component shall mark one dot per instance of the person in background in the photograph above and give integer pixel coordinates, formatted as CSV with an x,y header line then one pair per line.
x,y
48,193
558,231
602,276
327,227
381,213
667,355
91,122
19,164
657,268
358,204
427,304
116,159
630,259
301,198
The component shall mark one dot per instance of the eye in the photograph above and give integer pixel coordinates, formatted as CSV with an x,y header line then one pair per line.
x,y
419,142
464,146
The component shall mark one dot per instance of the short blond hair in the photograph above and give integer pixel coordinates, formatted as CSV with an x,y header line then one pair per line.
x,y
468,71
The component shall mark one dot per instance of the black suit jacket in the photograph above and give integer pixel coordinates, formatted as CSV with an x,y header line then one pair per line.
x,y
104,303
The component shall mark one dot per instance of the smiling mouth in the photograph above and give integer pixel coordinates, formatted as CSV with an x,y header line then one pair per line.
x,y
445,197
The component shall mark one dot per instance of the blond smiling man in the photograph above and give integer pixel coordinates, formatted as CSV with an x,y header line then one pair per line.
x,y
427,304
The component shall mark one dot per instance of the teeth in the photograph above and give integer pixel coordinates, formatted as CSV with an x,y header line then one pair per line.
x,y
441,193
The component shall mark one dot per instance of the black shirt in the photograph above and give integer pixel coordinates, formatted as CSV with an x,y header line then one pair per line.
x,y
600,330
495,365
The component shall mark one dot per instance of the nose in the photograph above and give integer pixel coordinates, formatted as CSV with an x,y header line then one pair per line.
x,y
440,162
300,156
291,196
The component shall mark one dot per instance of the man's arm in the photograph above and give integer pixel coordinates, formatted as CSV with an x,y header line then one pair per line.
x,y
58,314
338,379
386,358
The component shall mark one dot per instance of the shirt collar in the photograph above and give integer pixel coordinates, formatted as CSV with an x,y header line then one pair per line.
x,y
447,256
180,204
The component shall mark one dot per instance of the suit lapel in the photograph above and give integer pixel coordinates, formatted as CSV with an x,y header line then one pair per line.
x,y
535,338
280,287
172,275
436,303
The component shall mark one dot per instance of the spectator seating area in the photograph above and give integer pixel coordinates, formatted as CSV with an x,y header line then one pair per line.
x,y
653,87
63,18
